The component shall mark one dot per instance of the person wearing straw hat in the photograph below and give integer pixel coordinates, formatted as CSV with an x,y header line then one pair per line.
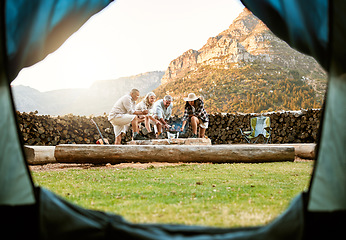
x,y
195,112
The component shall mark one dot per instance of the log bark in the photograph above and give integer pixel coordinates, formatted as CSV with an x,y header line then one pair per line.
x,y
114,154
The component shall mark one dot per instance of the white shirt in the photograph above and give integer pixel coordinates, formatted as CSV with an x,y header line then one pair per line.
x,y
124,105
161,111
142,106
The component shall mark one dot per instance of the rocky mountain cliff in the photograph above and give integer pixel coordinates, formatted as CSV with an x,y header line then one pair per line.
x,y
246,40
97,99
245,54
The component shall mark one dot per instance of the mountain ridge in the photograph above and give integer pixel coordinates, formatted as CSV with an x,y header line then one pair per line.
x,y
246,54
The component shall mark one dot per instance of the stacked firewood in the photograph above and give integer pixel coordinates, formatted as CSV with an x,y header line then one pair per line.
x,y
51,130
287,127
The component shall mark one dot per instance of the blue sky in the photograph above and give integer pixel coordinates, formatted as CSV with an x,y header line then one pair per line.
x,y
130,37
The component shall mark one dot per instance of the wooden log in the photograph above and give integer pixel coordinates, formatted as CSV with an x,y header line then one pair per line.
x,y
39,154
302,150
114,154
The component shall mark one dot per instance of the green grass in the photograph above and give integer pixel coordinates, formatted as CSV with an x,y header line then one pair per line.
x,y
223,195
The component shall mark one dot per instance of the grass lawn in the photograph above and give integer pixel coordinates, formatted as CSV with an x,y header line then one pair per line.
x,y
223,195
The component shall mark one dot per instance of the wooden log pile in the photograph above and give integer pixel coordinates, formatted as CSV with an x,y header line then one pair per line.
x,y
287,127
68,129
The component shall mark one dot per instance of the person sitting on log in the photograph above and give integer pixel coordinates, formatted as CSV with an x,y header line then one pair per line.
x,y
163,111
195,112
147,104
123,113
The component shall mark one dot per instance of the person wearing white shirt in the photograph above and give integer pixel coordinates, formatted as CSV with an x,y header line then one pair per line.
x,y
147,104
123,113
163,111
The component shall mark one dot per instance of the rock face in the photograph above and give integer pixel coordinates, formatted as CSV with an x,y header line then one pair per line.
x,y
187,61
245,41
245,68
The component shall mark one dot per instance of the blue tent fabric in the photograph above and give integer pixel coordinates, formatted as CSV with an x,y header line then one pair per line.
x,y
338,38
63,220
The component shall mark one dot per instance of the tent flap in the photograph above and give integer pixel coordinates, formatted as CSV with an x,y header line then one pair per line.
x,y
15,182
60,219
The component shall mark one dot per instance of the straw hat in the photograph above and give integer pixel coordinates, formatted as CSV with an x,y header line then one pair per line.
x,y
191,97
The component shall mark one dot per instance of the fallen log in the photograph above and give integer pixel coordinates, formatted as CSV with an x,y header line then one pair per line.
x,y
306,151
302,150
39,154
114,154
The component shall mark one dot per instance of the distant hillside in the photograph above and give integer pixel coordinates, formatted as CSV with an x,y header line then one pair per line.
x,y
97,100
245,68
28,99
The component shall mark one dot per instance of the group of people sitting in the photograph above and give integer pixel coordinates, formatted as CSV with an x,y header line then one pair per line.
x,y
156,113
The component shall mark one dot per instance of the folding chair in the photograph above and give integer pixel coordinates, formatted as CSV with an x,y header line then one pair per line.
x,y
260,128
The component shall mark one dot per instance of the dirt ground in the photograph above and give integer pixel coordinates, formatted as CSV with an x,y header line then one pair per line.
x,y
67,166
